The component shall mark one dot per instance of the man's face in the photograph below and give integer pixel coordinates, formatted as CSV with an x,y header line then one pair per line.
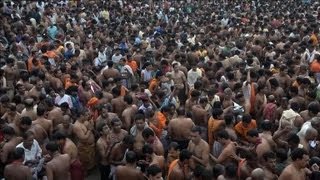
x,y
27,143
105,130
271,163
140,124
304,161
39,85
117,126
195,137
156,177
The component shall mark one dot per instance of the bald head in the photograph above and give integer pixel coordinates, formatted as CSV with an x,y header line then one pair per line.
x,y
257,174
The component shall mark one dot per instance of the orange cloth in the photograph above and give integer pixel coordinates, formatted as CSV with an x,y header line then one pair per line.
x,y
153,85
31,66
161,123
133,65
172,166
314,39
91,105
241,163
213,126
50,54
252,98
242,130
315,66
123,91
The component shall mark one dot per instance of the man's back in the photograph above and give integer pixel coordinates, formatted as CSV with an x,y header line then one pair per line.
x,y
17,172
58,167
125,172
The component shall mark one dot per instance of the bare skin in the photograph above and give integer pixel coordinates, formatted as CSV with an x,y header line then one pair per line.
x,y
56,115
127,116
40,134
128,172
180,128
227,154
30,112
293,173
71,149
17,171
200,150
9,147
180,172
58,167
46,124
118,105
11,118
200,115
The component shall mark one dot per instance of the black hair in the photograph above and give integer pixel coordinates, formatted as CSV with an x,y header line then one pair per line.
x,y
228,118
269,155
153,170
41,110
128,99
139,116
8,130
314,107
59,135
146,133
131,157
246,118
18,153
147,149
196,129
298,154
231,171
295,106
52,146
293,138
181,111
64,105
27,134
26,120
223,134
174,145
253,133
266,125
282,154
216,112
115,120
218,170
185,155
128,140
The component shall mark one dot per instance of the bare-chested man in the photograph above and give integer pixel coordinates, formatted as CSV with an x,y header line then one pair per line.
x,y
42,121
117,134
193,100
11,142
118,152
66,146
179,129
200,116
29,109
103,148
36,90
150,138
11,116
152,158
229,148
269,166
66,127
111,72
129,112
136,131
296,170
54,113
199,148
83,131
16,170
58,167
129,170
179,169
312,111
118,104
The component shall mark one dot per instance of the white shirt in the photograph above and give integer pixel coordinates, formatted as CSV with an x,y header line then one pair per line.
x,y
304,129
32,154
116,58
66,98
193,76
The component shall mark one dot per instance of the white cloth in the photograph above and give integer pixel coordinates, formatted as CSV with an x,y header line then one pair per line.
x,y
33,154
193,76
66,98
304,129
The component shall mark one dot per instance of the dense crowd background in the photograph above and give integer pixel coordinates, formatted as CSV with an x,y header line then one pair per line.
x,y
223,89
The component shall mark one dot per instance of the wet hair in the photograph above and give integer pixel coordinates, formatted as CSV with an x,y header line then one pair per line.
x,y
131,157
128,140
295,106
116,91
314,107
153,170
228,118
146,133
8,130
223,134
253,133
298,154
147,149
64,105
52,146
26,120
18,153
185,155
282,154
216,112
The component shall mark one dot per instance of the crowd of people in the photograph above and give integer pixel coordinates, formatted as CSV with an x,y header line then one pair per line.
x,y
160,89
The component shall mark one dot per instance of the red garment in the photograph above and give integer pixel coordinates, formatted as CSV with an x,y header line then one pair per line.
x,y
77,170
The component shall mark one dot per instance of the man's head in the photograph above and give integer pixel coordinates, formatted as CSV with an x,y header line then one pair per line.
x,y
270,160
195,134
185,156
293,140
246,120
148,135
128,141
139,120
131,157
41,111
25,123
52,147
18,154
116,125
60,138
252,135
222,136
28,138
103,129
154,172
147,150
300,157
257,174
8,132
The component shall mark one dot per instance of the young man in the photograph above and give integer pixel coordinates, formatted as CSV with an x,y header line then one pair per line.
x,y
11,142
154,172
58,167
179,169
129,170
296,170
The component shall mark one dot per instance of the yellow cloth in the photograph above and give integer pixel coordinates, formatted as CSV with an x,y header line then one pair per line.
x,y
87,155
